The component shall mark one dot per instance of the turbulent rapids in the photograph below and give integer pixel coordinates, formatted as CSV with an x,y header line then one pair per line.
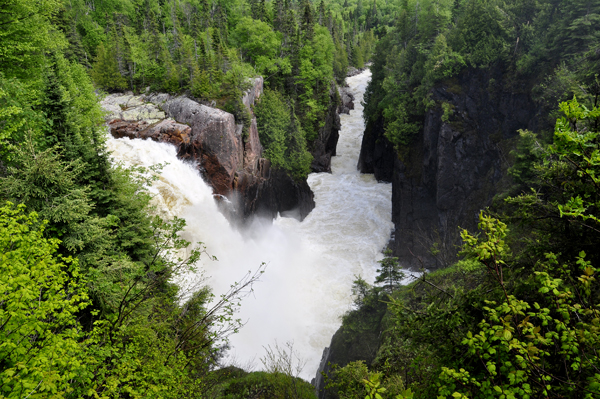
x,y
310,264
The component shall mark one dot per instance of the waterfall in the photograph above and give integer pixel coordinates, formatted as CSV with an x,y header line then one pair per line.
x,y
310,264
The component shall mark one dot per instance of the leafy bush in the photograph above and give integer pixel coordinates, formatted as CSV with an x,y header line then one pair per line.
x,y
42,293
265,385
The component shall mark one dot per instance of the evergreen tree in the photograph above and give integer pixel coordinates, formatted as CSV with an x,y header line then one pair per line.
x,y
322,13
390,274
307,22
279,12
105,71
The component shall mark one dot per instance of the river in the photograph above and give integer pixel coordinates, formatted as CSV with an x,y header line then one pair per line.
x,y
310,264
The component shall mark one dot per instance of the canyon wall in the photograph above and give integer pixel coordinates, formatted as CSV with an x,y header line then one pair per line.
x,y
228,156
455,166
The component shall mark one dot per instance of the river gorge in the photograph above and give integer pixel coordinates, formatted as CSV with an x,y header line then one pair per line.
x,y
310,265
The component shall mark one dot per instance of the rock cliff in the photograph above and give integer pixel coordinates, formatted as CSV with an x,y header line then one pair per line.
x,y
455,166
346,100
229,160
323,148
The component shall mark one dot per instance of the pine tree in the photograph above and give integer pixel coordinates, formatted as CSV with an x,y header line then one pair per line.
x,y
262,10
105,71
322,13
308,21
278,15
390,274
254,9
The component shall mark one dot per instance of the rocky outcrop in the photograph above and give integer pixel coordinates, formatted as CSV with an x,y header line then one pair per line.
x,y
275,193
352,71
165,131
377,155
216,144
128,107
346,100
323,148
228,156
357,339
454,168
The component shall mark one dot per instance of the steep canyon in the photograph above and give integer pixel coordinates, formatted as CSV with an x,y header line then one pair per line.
x,y
311,264
454,167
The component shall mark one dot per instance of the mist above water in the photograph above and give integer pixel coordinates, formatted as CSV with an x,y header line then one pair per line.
x,y
310,265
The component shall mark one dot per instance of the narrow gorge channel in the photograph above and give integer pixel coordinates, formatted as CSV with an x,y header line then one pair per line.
x,y
310,264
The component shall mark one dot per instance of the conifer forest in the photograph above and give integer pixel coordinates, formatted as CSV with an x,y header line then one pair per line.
x,y
482,116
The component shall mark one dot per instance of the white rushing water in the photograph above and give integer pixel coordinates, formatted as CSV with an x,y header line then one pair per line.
x,y
310,264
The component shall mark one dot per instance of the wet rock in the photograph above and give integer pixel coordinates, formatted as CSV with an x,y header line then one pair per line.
x,y
231,163
165,131
215,143
352,71
377,154
347,100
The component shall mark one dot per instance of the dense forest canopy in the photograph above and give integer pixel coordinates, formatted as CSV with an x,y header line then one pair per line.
x,y
552,45
88,306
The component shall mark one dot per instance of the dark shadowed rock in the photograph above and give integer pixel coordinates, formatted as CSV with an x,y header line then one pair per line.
x,y
277,193
377,154
347,100
454,168
352,71
324,147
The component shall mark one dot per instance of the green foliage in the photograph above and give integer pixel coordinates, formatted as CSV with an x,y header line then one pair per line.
x,y
26,34
536,44
259,44
48,185
531,349
105,72
138,334
518,317
267,385
528,153
481,32
347,380
314,74
390,273
17,115
273,121
448,111
280,133
352,380
41,296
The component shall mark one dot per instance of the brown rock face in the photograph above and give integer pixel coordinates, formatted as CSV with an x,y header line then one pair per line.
x,y
231,163
166,131
252,148
254,93
215,140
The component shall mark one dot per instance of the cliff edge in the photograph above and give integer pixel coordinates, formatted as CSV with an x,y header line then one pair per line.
x,y
454,167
